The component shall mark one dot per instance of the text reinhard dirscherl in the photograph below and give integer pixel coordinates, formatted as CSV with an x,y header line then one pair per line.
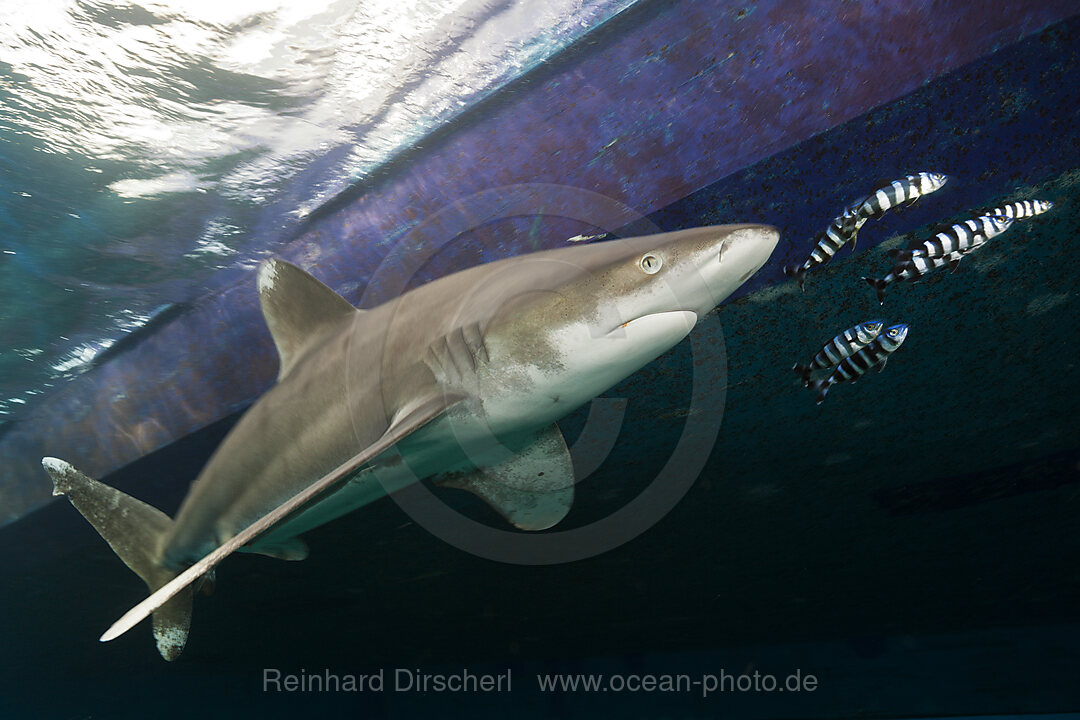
x,y
466,681
401,680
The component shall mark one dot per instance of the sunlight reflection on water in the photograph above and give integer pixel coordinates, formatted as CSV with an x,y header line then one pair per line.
x,y
148,145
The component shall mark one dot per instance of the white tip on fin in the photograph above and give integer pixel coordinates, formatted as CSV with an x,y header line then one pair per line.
x,y
57,469
297,307
533,490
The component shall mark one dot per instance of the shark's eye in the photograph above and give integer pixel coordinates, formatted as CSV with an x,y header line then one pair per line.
x,y
651,263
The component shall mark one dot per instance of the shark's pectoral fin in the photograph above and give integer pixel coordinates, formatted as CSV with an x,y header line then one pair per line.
x,y
171,623
291,549
534,489
418,414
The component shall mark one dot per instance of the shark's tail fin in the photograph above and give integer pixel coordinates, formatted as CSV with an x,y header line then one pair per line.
x,y
134,530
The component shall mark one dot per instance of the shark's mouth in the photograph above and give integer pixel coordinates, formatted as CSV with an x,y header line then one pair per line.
x,y
661,323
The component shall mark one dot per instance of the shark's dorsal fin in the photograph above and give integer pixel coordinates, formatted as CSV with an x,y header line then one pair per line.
x,y
297,307
533,490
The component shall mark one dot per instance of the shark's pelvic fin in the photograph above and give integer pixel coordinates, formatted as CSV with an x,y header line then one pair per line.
x,y
534,489
297,308
134,531
291,549
405,423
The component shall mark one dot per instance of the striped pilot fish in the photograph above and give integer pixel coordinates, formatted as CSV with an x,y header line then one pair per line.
x,y
1023,209
959,238
904,191
915,269
912,271
845,227
843,345
876,354
828,242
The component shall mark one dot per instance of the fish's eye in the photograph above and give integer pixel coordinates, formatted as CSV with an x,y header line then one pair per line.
x,y
651,263
894,333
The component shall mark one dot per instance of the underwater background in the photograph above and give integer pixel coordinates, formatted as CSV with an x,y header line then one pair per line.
x,y
911,542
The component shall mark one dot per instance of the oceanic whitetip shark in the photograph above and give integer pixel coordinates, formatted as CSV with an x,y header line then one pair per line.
x,y
460,379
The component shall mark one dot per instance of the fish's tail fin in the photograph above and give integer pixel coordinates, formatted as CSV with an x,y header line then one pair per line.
x,y
803,371
820,388
798,272
879,286
135,532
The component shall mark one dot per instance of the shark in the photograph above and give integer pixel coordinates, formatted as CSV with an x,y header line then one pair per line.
x,y
460,380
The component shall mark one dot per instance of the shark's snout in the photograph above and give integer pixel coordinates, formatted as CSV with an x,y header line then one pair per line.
x,y
751,243
742,253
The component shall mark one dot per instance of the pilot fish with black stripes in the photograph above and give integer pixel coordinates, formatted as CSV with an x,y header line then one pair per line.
x,y
960,238
842,230
902,192
844,345
911,271
950,245
874,355
845,227
1023,209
